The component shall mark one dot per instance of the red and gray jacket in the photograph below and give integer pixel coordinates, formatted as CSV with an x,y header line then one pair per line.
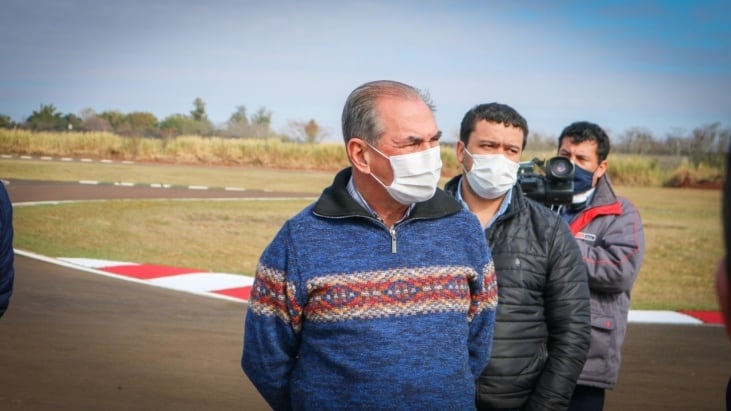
x,y
612,242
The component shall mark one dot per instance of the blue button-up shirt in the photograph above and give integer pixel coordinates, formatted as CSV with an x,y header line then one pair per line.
x,y
500,211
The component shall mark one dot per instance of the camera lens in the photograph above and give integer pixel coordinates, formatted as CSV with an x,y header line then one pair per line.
x,y
561,167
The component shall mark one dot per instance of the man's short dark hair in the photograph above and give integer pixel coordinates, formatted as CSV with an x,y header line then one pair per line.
x,y
495,113
581,131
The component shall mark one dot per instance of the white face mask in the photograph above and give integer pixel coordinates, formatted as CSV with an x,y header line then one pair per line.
x,y
492,175
415,175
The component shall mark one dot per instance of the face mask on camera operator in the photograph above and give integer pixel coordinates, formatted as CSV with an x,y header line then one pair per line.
x,y
588,168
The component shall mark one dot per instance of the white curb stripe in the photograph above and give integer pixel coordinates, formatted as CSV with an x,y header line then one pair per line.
x,y
661,317
94,263
203,281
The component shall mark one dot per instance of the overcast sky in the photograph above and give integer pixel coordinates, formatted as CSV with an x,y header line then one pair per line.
x,y
661,65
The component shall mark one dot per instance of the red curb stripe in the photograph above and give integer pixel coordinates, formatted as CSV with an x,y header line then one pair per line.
x,y
708,317
148,271
242,293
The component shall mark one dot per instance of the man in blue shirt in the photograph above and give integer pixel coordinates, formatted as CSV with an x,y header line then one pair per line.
x,y
542,325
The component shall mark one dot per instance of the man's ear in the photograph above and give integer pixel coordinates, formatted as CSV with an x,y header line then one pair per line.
x,y
601,170
462,157
357,154
460,151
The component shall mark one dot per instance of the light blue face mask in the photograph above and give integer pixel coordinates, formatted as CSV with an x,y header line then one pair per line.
x,y
492,175
583,179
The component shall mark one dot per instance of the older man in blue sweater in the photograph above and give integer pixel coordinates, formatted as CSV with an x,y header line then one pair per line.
x,y
382,293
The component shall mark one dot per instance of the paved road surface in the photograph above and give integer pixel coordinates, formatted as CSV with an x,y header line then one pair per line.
x,y
72,340
77,341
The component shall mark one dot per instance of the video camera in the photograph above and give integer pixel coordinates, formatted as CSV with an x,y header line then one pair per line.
x,y
553,187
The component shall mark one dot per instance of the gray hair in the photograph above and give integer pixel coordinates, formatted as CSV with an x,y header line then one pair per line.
x,y
360,117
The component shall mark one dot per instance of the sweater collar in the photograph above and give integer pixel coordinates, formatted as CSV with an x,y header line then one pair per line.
x,y
363,203
336,202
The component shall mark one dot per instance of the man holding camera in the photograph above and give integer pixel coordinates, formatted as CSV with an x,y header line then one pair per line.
x,y
542,329
609,232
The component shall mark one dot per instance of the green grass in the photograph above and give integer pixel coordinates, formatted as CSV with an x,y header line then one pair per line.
x,y
222,236
683,239
211,176
682,226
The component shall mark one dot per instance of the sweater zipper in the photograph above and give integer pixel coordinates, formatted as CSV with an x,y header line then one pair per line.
x,y
392,231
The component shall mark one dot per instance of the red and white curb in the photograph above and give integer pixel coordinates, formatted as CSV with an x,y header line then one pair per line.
x,y
233,287
237,287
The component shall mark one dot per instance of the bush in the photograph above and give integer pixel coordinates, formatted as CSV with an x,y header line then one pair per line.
x,y
630,170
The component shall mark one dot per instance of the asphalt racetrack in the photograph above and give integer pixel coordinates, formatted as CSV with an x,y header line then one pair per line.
x,y
73,340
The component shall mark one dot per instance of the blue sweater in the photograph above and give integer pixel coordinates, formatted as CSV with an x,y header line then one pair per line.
x,y
7,271
337,320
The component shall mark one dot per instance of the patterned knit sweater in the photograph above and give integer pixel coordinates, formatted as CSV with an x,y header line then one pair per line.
x,y
347,315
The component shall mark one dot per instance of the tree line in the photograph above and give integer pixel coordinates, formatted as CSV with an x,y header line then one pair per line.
x,y
145,124
703,145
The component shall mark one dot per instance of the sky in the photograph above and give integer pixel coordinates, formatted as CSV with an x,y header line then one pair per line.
x,y
662,66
